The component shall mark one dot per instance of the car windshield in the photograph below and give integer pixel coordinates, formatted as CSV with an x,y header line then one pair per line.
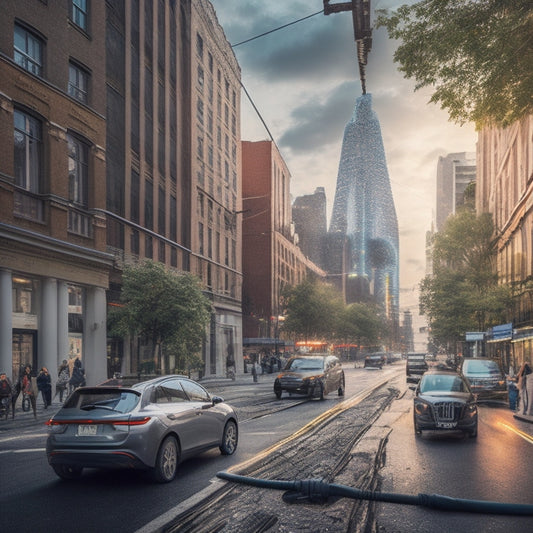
x,y
442,383
119,401
480,366
305,364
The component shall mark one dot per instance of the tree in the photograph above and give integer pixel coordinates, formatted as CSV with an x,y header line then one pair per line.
x,y
362,323
163,307
463,293
312,310
475,54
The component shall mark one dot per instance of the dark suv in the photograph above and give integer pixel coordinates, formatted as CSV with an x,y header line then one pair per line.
x,y
487,381
416,365
311,375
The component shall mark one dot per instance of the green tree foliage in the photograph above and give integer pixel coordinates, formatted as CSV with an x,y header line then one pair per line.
x,y
361,323
162,306
476,55
463,293
312,310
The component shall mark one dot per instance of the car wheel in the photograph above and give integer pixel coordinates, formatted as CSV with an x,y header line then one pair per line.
x,y
341,386
230,438
166,463
320,390
473,433
68,472
277,392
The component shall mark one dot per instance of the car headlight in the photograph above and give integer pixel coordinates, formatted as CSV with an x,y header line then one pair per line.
x,y
471,409
421,408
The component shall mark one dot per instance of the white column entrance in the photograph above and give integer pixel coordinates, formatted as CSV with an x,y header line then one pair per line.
x,y
6,323
95,336
47,355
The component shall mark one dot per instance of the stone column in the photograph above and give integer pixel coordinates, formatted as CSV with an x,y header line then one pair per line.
x,y
62,325
6,323
95,336
47,353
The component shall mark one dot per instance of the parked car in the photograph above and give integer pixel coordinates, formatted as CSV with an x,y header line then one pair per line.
x,y
153,425
415,366
311,375
486,378
444,401
374,360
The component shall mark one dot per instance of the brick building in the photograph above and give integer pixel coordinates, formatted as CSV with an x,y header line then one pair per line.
x,y
272,261
54,269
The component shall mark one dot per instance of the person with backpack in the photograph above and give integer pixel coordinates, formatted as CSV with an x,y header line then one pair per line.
x,y
78,376
63,377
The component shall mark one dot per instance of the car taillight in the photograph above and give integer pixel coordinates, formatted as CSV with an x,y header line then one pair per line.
x,y
134,421
140,421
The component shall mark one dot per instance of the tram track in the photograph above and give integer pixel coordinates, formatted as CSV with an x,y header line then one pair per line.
x,y
321,449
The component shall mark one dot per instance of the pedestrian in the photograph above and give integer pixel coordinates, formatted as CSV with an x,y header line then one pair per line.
x,y
78,376
254,372
44,385
26,386
525,389
63,377
6,392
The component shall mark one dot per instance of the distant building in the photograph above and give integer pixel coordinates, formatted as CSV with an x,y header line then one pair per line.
x,y
454,173
407,334
271,259
310,224
362,243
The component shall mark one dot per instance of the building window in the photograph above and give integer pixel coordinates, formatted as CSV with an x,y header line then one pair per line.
x,y
199,46
28,51
78,156
28,151
79,11
78,82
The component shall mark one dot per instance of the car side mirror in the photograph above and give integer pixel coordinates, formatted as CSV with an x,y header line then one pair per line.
x,y
216,399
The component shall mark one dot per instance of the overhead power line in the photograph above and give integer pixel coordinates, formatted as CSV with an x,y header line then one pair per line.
x,y
276,29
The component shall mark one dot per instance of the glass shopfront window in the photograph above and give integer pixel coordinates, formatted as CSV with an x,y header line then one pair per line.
x,y
76,305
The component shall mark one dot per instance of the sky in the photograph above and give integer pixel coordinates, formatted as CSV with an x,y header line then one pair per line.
x,y
304,81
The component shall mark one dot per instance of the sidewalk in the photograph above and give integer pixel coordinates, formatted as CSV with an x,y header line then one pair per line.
x,y
525,418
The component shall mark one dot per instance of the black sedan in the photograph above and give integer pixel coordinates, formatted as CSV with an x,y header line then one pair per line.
x,y
443,402
311,375
153,426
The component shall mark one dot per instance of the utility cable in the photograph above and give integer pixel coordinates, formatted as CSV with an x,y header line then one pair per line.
x,y
276,29
318,491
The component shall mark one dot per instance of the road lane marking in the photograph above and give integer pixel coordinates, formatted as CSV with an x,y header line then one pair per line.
x,y
526,436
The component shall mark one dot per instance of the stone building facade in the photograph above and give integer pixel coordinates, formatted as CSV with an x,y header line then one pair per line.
x,y
54,268
505,189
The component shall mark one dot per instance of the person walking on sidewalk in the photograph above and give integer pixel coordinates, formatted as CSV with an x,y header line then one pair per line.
x,y
63,377
6,392
27,386
44,384
524,388
78,376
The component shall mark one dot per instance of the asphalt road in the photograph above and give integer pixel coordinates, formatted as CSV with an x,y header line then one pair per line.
x,y
495,466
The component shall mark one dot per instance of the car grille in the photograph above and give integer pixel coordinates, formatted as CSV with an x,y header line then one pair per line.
x,y
447,411
291,382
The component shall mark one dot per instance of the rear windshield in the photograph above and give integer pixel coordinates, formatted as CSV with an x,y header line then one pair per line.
x,y
482,366
416,357
92,399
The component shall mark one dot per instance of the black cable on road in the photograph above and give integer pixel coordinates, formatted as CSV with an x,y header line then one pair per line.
x,y
318,491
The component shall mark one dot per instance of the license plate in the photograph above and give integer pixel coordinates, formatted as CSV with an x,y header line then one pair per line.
x,y
86,429
446,425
